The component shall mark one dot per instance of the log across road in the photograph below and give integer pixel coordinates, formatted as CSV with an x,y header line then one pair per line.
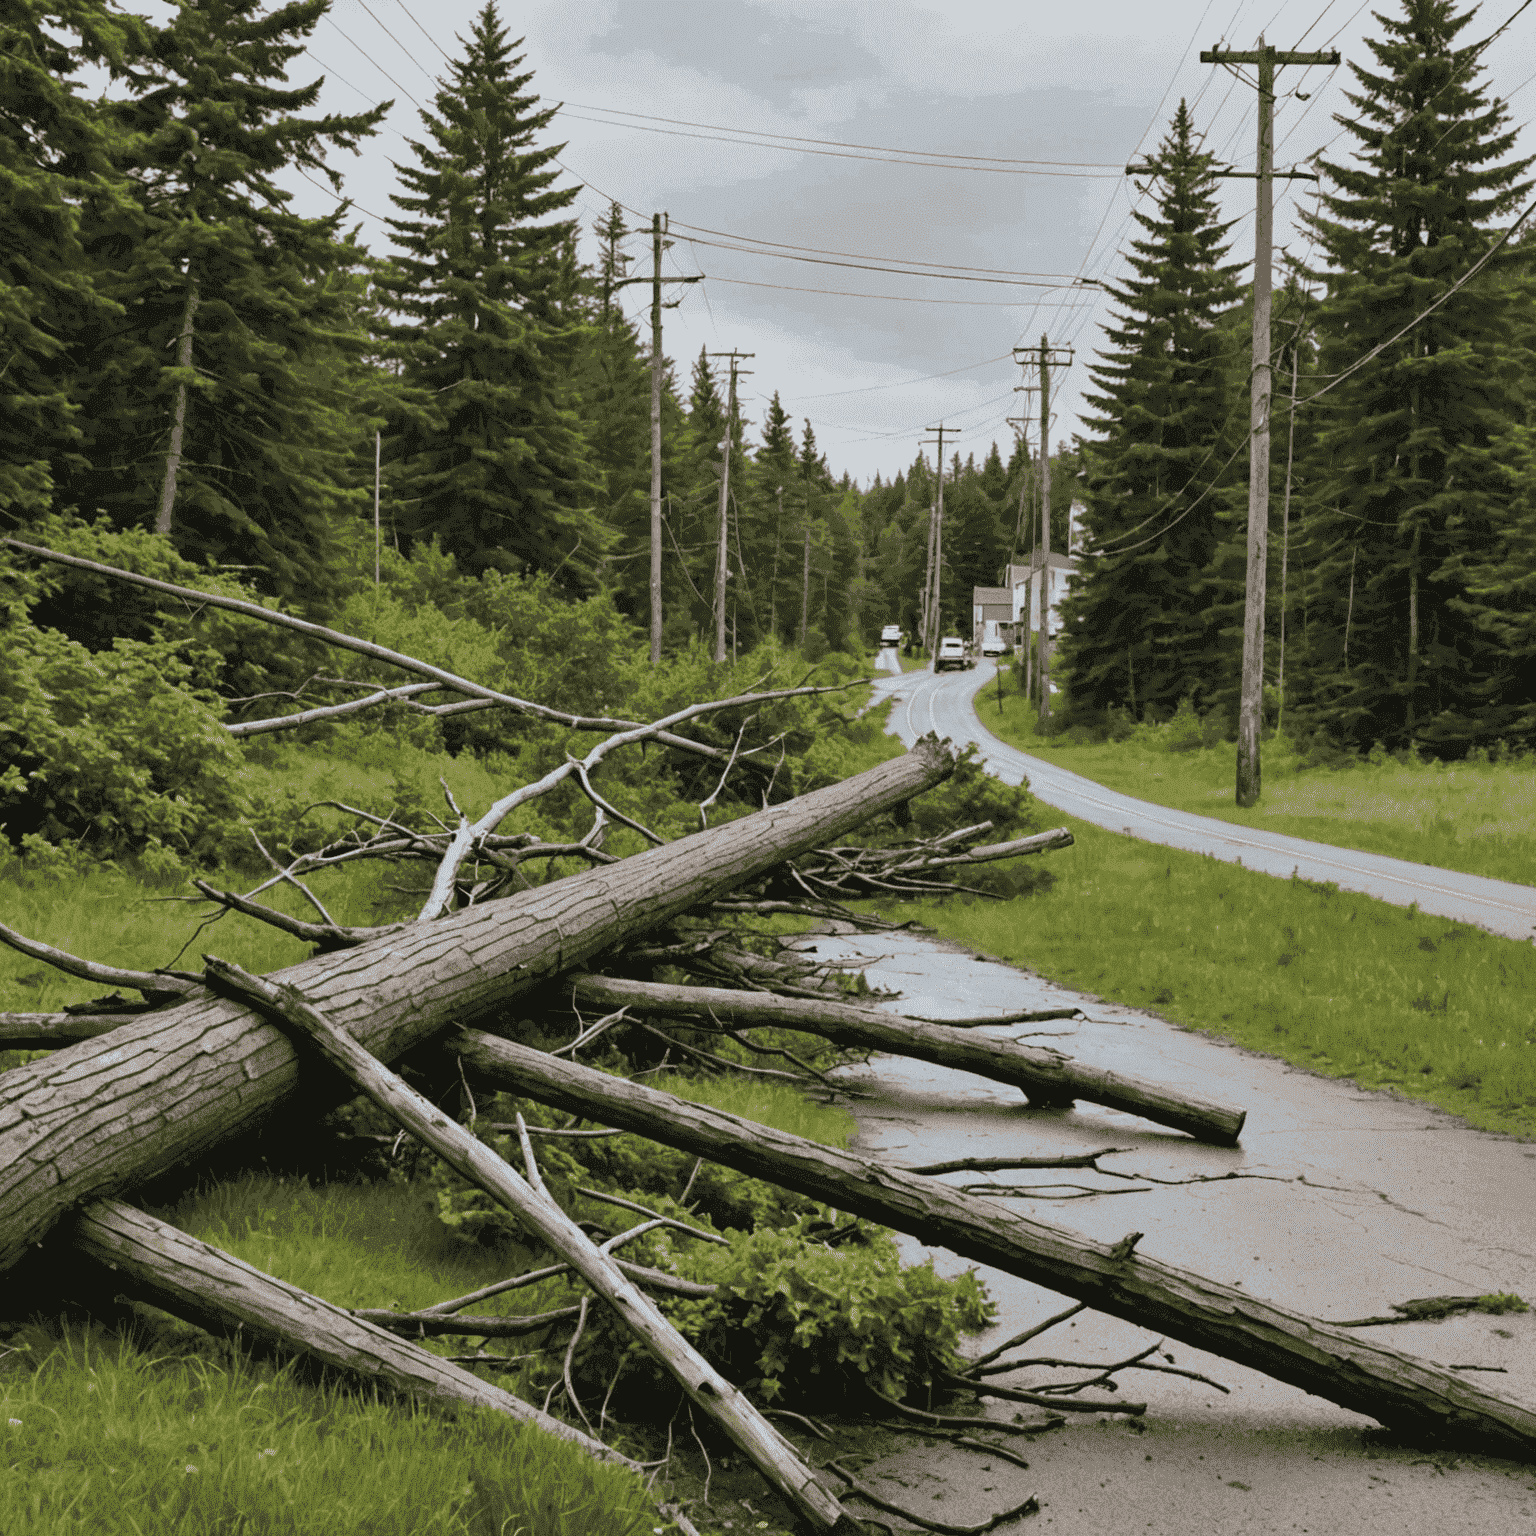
x,y
944,704
1411,1396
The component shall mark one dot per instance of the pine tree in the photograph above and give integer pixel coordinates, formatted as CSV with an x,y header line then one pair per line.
x,y
490,456
1136,631
218,409
773,479
1409,498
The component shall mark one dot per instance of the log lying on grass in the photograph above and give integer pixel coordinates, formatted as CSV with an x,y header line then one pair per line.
x,y
1409,1396
101,1117
155,1262
541,1217
1043,1074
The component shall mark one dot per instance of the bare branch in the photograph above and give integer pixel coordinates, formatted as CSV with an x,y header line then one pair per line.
x,y
153,984
329,711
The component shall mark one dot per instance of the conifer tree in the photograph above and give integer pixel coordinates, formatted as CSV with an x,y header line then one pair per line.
x,y
218,410
490,457
54,155
1136,629
1409,496
773,479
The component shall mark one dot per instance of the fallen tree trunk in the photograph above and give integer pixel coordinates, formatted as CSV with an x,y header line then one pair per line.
x,y
1408,1395
100,1117
1043,1074
542,1218
159,1264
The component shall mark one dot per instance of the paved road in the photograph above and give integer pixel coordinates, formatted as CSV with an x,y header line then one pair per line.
x,y
943,703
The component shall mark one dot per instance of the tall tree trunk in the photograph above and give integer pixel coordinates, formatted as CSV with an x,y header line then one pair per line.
x,y
179,420
106,1114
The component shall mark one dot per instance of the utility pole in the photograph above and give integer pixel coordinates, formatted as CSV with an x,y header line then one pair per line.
x,y
1250,718
658,245
935,548
722,562
377,440
1026,661
1045,357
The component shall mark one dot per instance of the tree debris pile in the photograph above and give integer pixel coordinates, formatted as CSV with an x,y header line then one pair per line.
x,y
682,1248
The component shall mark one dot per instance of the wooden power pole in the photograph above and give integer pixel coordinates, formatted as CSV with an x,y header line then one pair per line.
x,y
1250,717
932,587
722,560
1045,357
658,367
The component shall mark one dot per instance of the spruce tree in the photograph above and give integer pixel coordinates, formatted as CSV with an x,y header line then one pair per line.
x,y
773,485
219,409
55,154
489,454
1409,497
1136,629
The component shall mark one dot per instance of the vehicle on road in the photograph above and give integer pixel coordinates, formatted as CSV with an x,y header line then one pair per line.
x,y
952,655
891,635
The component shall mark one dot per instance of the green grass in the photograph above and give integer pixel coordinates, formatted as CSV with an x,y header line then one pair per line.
x,y
780,1105
188,1437
1476,817
1336,983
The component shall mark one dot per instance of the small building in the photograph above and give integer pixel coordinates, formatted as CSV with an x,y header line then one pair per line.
x,y
994,604
1024,589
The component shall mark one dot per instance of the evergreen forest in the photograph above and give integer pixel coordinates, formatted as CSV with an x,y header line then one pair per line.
x,y
202,384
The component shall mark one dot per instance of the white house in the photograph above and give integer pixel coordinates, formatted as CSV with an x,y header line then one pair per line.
x,y
1024,583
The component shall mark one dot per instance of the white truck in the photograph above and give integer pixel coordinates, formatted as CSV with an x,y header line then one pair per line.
x,y
952,656
991,638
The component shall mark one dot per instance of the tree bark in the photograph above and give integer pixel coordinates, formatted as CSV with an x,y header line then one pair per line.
x,y
100,1117
1044,1075
203,1285
542,1218
1409,1396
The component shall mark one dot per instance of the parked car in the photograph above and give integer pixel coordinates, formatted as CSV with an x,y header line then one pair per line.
x,y
951,657
891,635
994,645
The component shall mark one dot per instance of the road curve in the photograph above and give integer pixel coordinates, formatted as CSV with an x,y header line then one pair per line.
x,y
925,702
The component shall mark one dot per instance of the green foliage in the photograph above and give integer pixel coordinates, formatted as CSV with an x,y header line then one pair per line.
x,y
800,1321
486,451
116,751
1140,627
1407,535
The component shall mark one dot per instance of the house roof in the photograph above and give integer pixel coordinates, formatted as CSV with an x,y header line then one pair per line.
x,y
981,596
1019,574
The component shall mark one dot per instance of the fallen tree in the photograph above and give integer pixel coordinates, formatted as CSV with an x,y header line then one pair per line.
x,y
96,1118
1410,1396
152,1261
1045,1075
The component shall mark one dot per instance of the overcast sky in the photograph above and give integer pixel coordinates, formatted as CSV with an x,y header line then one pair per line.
x,y
1088,86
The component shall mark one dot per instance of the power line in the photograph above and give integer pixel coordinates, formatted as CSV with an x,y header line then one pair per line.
x,y
866,266
865,389
842,154
817,250
893,298
376,64
881,149
404,7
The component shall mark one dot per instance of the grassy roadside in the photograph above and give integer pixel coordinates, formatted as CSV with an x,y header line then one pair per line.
x,y
1477,817
1333,982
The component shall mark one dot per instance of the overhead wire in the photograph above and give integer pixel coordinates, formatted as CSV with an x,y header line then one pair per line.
x,y
332,20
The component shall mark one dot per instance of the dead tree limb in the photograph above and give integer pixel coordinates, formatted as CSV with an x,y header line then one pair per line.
x,y
1042,1074
155,985
99,1117
159,1264
1410,1396
536,1210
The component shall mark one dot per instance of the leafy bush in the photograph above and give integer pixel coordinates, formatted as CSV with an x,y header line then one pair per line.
x,y
115,751
799,1320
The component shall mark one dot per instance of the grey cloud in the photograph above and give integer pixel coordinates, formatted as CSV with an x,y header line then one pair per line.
x,y
761,48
